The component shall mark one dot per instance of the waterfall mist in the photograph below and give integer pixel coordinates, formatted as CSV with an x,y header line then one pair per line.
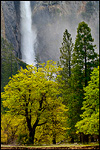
x,y
46,38
28,35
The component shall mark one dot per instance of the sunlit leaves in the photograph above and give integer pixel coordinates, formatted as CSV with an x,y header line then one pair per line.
x,y
90,117
9,127
34,93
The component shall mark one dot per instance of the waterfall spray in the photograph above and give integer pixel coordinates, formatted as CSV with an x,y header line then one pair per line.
x,y
28,36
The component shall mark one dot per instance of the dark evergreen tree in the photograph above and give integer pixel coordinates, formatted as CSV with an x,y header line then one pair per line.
x,y
84,56
84,59
66,54
9,63
65,63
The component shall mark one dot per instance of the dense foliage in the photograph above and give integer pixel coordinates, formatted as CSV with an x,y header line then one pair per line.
x,y
34,95
66,55
90,117
9,64
48,103
83,60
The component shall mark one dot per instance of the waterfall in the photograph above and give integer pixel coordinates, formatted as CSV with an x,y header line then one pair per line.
x,y
28,36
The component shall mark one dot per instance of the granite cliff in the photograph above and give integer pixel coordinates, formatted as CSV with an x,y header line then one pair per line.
x,y
50,19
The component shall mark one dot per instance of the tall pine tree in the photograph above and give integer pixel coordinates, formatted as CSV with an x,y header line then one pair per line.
x,y
65,63
84,56
84,59
66,54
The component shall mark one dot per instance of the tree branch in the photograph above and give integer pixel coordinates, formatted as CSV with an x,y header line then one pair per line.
x,y
42,123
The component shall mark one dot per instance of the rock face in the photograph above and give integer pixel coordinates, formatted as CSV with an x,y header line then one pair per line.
x,y
50,19
12,28
2,24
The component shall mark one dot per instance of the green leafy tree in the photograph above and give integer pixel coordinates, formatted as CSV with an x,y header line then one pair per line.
x,y
90,117
10,127
33,95
54,130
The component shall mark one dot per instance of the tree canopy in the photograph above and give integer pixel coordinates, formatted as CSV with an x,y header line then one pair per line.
x,y
83,60
90,117
34,95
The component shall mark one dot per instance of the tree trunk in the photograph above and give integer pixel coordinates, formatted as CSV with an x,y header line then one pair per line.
x,y
81,138
11,64
85,138
31,136
72,140
28,120
92,139
54,139
69,69
85,69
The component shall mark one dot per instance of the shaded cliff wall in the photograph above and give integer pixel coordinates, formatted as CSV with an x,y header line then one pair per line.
x,y
12,25
10,41
2,24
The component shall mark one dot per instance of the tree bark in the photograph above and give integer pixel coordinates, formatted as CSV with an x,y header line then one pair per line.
x,y
85,138
72,140
92,139
32,129
54,139
85,69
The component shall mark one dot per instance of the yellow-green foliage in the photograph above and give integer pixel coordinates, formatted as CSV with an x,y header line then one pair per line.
x,y
56,126
34,95
90,117
9,127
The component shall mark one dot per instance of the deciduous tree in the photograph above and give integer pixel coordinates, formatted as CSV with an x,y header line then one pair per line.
x,y
33,95
10,127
